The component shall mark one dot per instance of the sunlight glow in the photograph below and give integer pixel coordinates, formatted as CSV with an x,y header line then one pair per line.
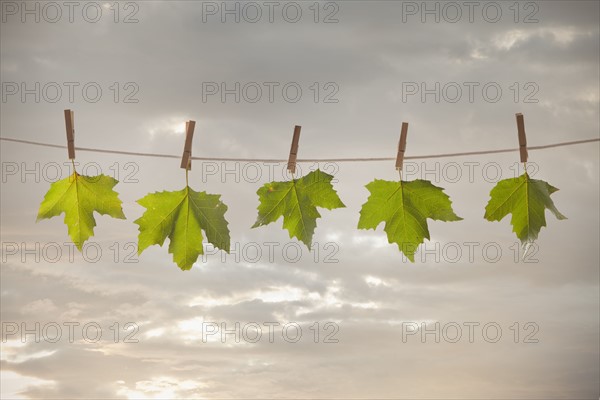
x,y
162,388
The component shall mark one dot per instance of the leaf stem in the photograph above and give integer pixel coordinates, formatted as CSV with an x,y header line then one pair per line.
x,y
186,177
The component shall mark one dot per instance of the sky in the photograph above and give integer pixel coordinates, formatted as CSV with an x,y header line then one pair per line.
x,y
473,317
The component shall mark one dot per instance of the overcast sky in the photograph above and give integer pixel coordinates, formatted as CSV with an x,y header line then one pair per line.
x,y
349,72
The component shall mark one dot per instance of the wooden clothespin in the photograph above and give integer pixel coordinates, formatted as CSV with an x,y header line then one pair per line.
x,y
294,150
186,159
401,146
70,124
522,137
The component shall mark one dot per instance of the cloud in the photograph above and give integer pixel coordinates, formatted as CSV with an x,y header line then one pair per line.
x,y
354,286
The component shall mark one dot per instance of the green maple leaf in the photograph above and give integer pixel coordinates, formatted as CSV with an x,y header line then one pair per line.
x,y
405,207
297,201
78,196
182,215
526,199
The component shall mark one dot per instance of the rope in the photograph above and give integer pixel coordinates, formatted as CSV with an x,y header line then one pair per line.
x,y
275,160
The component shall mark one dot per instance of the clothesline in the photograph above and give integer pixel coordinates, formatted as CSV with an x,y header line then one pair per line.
x,y
275,160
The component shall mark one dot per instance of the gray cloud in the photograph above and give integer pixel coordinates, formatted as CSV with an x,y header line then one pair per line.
x,y
368,289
